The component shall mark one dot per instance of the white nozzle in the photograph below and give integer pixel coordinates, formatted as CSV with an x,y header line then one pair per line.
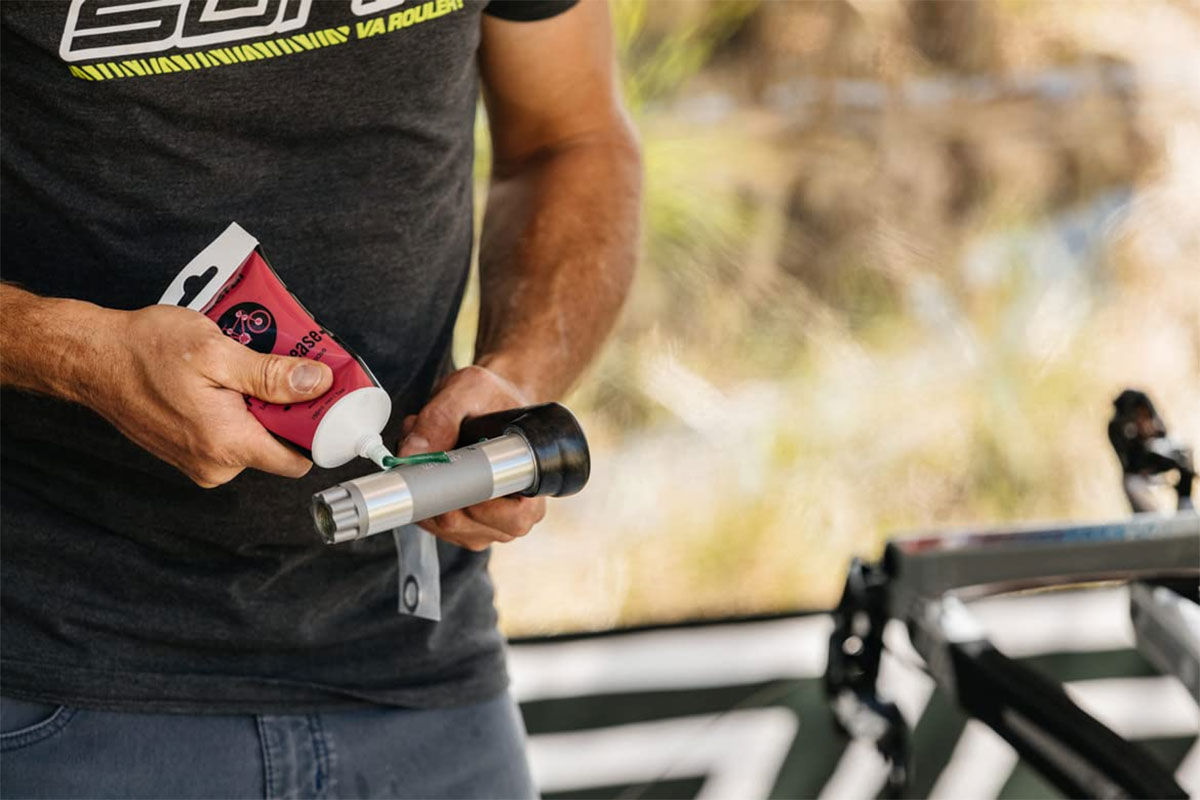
x,y
372,447
351,428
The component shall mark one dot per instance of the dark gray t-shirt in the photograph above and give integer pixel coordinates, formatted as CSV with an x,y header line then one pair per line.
x,y
338,132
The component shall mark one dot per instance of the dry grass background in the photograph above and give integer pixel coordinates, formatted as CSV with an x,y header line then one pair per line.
x,y
898,259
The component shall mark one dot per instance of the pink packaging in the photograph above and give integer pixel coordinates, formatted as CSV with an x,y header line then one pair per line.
x,y
231,283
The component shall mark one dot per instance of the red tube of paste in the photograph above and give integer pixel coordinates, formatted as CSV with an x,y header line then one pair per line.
x,y
231,283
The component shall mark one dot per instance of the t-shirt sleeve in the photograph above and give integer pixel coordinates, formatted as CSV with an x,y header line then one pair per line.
x,y
527,10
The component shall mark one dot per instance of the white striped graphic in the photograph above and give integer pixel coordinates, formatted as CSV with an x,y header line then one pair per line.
x,y
740,752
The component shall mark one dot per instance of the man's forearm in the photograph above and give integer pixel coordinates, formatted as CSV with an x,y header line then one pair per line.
x,y
558,253
47,344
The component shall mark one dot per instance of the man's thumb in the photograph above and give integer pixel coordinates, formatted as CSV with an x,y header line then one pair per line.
x,y
279,379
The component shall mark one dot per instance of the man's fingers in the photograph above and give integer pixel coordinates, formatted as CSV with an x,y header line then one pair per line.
x,y
456,527
469,391
466,393
264,452
514,516
276,379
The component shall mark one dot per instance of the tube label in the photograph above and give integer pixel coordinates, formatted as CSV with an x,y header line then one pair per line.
x,y
231,283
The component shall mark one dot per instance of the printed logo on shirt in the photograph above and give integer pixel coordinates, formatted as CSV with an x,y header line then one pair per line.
x,y
126,35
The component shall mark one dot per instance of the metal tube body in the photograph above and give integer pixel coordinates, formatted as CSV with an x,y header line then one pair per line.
x,y
400,496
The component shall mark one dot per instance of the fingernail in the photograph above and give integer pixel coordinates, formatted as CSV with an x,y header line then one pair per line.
x,y
305,378
414,444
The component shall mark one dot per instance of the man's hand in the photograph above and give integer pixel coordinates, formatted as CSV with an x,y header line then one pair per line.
x,y
164,376
471,392
176,387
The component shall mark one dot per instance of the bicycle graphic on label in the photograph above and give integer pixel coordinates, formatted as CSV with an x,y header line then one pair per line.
x,y
250,324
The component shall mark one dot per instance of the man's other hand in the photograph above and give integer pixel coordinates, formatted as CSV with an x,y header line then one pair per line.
x,y
471,392
170,381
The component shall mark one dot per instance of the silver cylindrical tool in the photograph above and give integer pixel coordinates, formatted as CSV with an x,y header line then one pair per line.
x,y
403,495
539,450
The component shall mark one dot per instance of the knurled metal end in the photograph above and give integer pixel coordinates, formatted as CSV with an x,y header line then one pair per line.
x,y
336,515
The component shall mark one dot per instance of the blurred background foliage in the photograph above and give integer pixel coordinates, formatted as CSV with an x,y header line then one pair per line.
x,y
898,258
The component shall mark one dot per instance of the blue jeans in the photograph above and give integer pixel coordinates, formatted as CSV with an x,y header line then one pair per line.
x,y
56,751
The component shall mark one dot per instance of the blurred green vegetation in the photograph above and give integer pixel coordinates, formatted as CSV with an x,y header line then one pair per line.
x,y
898,258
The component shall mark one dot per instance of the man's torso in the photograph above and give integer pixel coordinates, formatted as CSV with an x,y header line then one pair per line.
x,y
340,134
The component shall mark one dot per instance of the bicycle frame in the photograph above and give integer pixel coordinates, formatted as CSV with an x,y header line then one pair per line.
x,y
1027,557
921,581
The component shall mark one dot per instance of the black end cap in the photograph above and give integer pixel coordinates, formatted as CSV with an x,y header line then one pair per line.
x,y
563,461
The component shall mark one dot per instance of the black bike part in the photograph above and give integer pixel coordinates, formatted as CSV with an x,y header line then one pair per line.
x,y
1139,437
852,671
1134,422
856,644
559,445
1074,751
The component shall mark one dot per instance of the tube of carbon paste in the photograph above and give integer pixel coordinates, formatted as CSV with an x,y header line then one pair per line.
x,y
231,283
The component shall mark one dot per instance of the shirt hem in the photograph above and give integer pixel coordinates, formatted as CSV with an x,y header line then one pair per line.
x,y
224,694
